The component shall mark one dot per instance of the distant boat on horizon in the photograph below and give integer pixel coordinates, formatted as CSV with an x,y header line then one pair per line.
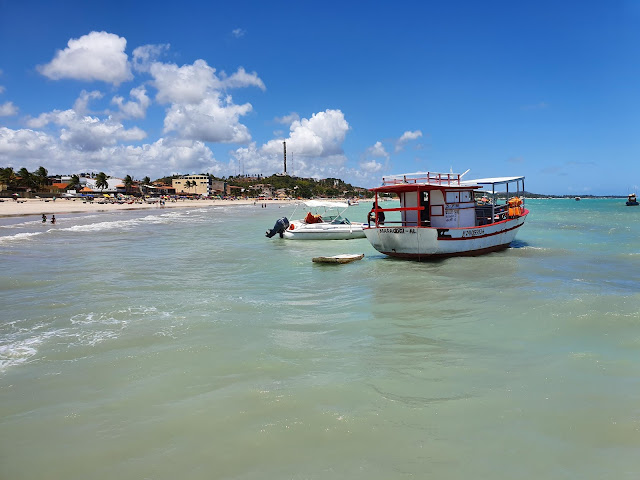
x,y
632,201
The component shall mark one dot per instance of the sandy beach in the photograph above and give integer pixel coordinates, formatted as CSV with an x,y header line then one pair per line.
x,y
23,207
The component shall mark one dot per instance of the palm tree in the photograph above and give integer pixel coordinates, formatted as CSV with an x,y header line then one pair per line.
x,y
101,181
187,185
128,182
144,188
8,177
26,178
42,177
74,182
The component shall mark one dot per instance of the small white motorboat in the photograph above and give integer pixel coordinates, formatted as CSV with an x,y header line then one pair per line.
x,y
324,221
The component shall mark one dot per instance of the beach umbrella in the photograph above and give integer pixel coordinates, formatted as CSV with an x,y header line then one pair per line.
x,y
16,195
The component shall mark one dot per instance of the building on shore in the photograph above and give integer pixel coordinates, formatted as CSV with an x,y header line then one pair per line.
x,y
262,190
203,185
90,184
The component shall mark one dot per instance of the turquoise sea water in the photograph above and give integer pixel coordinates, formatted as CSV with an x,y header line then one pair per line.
x,y
181,343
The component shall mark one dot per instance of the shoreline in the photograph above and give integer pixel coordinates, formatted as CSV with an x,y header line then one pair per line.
x,y
27,207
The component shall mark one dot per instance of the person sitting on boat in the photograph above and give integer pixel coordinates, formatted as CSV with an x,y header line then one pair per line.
x,y
372,215
311,218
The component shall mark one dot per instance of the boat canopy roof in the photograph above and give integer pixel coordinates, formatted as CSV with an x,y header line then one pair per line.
x,y
432,180
325,203
491,181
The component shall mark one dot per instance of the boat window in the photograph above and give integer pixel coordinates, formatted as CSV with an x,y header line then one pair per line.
x,y
453,197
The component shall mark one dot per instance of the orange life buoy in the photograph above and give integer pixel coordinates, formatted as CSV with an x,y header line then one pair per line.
x,y
291,227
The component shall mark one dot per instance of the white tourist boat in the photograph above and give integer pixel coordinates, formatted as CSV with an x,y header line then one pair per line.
x,y
324,220
440,216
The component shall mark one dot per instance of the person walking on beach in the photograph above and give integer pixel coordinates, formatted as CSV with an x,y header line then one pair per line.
x,y
53,219
44,218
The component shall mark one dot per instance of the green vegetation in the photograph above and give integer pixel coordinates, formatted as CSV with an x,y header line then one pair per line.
x,y
294,186
303,187
37,180
102,180
128,183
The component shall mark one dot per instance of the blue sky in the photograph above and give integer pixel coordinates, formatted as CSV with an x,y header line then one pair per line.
x,y
549,90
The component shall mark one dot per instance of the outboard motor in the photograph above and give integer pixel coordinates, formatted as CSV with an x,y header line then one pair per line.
x,y
281,225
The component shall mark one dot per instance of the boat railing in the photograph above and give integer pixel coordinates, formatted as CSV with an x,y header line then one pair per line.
x,y
489,213
398,209
485,214
424,178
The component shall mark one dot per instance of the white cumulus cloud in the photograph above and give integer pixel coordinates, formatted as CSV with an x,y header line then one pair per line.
x,y
30,149
23,144
198,108
314,148
288,119
211,120
87,133
370,166
189,84
194,83
242,79
81,105
406,138
164,155
8,109
145,56
322,135
97,56
377,150
135,108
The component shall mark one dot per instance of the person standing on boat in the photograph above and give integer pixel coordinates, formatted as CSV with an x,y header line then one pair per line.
x,y
372,215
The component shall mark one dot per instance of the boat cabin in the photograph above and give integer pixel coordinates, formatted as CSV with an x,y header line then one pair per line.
x,y
444,200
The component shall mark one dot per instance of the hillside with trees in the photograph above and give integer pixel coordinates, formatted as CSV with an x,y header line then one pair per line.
x,y
302,187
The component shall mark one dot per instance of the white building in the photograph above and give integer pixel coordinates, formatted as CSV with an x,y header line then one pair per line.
x,y
91,184
199,185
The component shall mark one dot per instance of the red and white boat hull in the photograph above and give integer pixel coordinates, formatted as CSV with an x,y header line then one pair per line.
x,y
430,242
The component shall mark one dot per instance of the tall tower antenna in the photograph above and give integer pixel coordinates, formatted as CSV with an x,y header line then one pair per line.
x,y
285,157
